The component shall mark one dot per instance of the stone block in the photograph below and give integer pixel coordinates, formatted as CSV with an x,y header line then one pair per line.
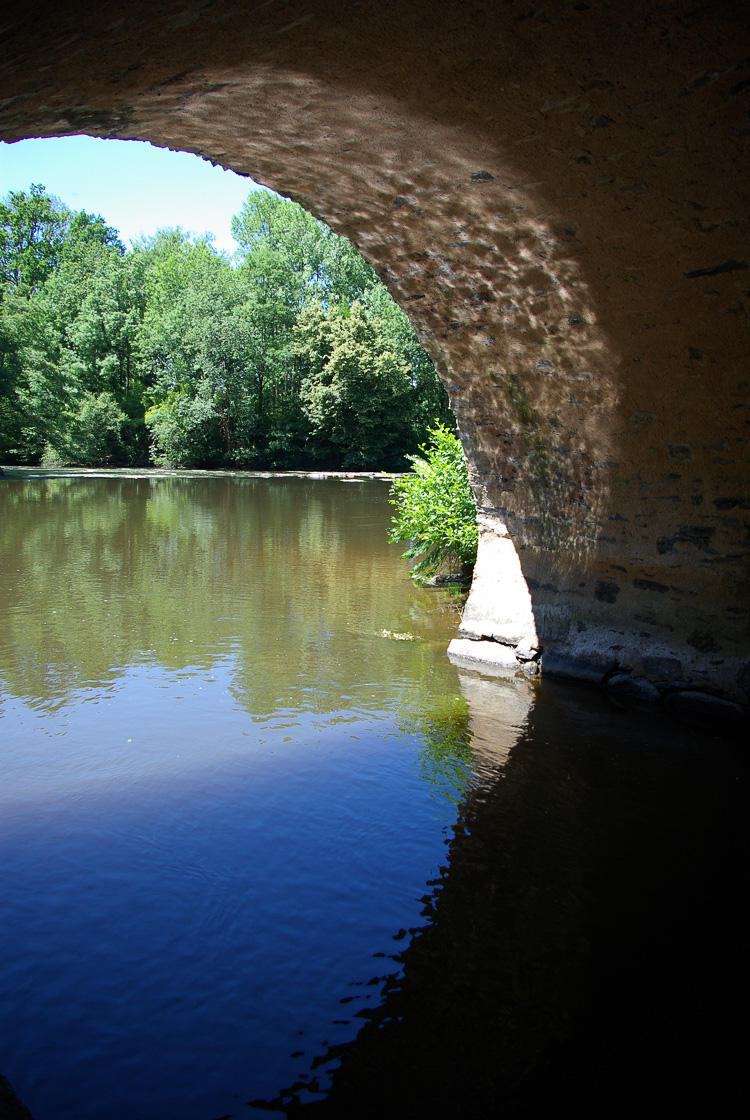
x,y
588,669
662,668
553,623
624,688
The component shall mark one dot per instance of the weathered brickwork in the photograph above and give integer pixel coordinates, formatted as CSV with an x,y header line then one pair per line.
x,y
558,199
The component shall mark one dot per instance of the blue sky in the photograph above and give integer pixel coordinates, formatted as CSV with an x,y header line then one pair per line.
x,y
135,187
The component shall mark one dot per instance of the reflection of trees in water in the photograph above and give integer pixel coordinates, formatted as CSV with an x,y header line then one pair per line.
x,y
583,949
442,725
293,578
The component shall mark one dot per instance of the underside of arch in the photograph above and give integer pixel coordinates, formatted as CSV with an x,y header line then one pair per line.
x,y
555,197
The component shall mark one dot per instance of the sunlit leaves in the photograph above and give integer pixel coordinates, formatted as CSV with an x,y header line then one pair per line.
x,y
435,509
292,355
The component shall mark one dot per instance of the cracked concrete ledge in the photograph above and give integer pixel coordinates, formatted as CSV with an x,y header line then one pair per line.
x,y
483,652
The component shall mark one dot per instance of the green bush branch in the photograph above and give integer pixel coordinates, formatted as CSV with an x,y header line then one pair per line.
x,y
435,509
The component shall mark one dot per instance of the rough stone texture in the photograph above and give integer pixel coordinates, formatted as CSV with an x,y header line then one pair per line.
x,y
590,669
485,653
500,605
557,197
661,668
627,689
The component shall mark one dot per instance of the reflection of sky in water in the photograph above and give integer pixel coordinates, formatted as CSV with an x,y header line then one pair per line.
x,y
196,925
152,732
232,747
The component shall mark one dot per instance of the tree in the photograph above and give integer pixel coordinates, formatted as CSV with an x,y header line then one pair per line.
x,y
369,390
289,261
357,394
95,433
197,347
11,418
430,400
435,509
67,322
78,340
316,263
32,228
291,355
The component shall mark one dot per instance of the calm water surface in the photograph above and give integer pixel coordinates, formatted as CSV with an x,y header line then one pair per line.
x,y
263,847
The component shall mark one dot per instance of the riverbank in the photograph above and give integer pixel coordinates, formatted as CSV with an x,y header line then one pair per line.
x,y
166,472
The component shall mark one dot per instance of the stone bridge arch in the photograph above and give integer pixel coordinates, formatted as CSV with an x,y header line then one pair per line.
x,y
554,194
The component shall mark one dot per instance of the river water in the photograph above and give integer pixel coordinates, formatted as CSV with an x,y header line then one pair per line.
x,y
265,850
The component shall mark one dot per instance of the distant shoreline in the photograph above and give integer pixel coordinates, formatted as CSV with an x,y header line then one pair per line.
x,y
19,472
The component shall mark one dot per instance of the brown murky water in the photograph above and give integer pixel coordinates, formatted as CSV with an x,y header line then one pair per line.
x,y
262,843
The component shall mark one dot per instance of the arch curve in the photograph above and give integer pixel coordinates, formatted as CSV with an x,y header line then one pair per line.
x,y
555,198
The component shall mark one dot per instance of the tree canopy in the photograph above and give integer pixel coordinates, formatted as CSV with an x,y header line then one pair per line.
x,y
292,354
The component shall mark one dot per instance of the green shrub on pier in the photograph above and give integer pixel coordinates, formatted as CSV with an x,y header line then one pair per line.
x,y
435,510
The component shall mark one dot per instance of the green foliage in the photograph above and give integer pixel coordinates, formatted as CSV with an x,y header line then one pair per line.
x,y
93,435
435,509
31,238
292,355
183,429
196,348
37,231
358,393
442,723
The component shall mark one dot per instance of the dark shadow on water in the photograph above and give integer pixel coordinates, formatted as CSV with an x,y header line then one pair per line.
x,y
584,949
10,1106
